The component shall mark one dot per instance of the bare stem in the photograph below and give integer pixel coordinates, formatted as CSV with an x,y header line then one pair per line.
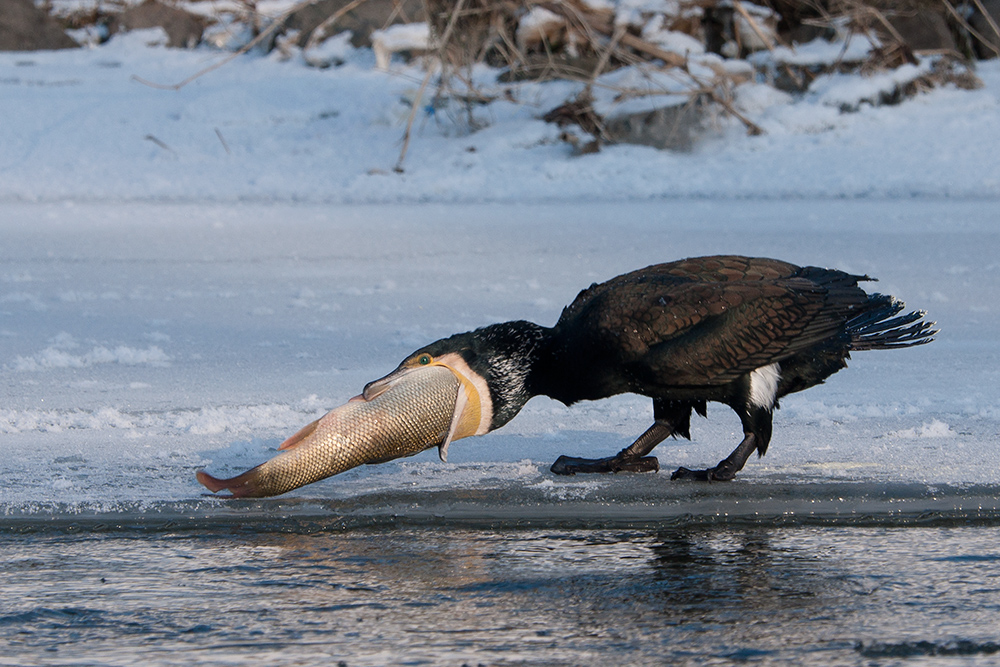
x,y
423,86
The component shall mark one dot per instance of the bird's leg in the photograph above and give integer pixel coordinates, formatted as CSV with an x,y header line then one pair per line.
x,y
727,468
756,422
632,459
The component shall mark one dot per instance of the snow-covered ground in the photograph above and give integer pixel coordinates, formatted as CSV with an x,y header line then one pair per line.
x,y
187,277
77,125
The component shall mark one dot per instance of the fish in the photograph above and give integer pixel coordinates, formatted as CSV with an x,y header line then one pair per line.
x,y
402,414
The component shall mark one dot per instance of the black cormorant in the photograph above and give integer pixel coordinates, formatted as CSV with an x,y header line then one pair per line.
x,y
741,331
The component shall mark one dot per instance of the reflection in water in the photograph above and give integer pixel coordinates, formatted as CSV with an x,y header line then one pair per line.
x,y
426,596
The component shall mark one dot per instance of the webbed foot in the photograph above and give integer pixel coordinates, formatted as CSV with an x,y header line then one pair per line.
x,y
570,465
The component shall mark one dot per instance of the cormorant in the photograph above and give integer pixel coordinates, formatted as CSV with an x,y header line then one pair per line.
x,y
737,330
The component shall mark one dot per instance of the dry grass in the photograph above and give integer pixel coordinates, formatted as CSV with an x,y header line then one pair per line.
x,y
580,43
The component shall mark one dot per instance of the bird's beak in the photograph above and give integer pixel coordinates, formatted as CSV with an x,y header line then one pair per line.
x,y
383,384
468,418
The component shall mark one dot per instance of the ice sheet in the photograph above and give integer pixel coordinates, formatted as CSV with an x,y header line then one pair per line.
x,y
234,325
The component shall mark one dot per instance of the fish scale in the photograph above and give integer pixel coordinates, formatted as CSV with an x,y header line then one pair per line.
x,y
408,418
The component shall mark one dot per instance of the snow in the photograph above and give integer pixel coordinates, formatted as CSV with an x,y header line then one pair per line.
x,y
848,92
331,51
534,26
854,48
189,276
402,37
671,40
78,126
53,357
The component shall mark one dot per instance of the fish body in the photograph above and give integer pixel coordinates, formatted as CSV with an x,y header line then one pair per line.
x,y
415,413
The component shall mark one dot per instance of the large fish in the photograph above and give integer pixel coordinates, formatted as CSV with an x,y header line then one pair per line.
x,y
402,414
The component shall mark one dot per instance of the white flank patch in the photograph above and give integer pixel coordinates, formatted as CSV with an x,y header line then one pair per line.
x,y
764,385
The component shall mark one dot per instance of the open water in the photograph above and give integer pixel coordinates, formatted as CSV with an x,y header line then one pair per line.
x,y
834,574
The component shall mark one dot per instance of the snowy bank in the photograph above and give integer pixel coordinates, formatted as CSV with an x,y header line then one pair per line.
x,y
78,125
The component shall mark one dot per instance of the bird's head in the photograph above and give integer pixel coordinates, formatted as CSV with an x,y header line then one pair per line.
x,y
493,365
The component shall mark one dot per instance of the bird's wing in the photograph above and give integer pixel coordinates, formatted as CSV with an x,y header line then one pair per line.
x,y
723,268
696,333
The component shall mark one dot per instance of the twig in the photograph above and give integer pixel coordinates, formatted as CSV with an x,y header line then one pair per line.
x,y
668,57
593,24
264,34
423,86
606,53
315,35
885,24
972,31
223,141
753,129
586,22
738,6
150,137
397,10
409,121
988,17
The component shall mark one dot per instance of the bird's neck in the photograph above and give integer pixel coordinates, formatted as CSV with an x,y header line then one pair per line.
x,y
520,360
508,356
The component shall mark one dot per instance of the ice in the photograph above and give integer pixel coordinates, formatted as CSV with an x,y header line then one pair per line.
x,y
52,357
170,302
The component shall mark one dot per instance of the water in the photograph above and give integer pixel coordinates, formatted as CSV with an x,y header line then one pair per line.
x,y
304,590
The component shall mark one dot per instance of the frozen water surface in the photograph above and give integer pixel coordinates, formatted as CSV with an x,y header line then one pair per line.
x,y
144,341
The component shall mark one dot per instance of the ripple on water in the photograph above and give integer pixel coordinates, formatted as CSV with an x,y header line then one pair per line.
x,y
758,594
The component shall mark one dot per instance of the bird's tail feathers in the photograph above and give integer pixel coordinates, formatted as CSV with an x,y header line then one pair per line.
x,y
878,328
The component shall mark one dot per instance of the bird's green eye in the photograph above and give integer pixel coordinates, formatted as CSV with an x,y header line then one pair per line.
x,y
424,359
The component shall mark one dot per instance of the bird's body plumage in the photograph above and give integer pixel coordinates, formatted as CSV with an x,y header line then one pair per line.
x,y
696,325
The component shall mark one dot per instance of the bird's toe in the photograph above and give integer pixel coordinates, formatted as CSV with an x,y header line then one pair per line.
x,y
687,473
570,465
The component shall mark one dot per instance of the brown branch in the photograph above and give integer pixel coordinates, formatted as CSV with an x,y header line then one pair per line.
x,y
606,53
639,44
593,23
409,121
753,129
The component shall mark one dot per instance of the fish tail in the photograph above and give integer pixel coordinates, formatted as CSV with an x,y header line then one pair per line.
x,y
241,486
